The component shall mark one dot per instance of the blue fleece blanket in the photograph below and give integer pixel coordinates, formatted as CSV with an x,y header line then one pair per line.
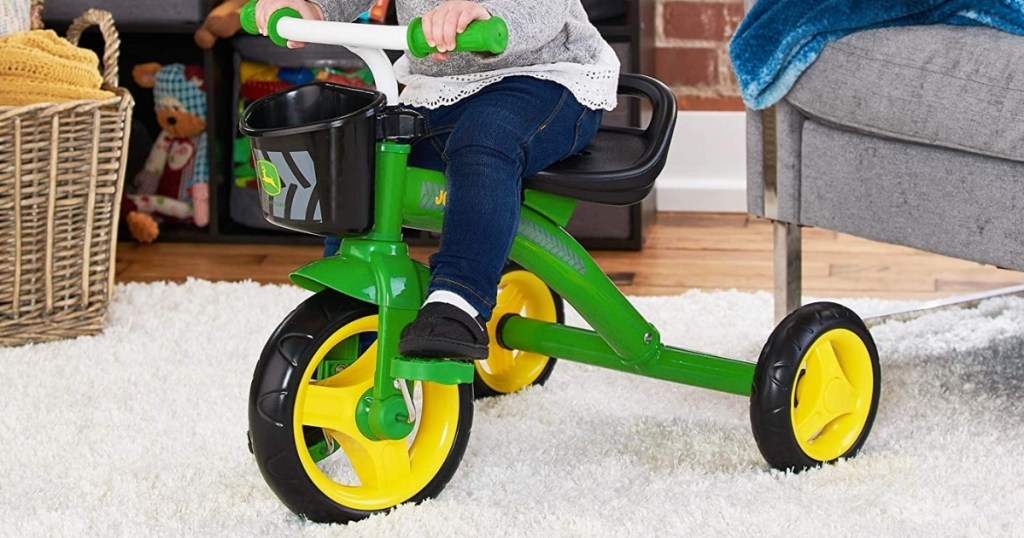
x,y
779,39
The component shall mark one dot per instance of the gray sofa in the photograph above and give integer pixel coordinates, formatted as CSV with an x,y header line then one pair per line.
x,y
911,135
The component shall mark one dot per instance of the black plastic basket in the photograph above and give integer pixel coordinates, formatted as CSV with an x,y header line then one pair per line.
x,y
314,151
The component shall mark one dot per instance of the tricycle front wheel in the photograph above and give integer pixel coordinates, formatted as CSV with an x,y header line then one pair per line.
x,y
816,388
306,404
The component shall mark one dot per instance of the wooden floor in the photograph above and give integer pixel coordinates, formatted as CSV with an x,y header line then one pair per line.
x,y
683,251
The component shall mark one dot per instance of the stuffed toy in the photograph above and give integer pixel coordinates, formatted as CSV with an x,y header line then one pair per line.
x,y
173,185
222,22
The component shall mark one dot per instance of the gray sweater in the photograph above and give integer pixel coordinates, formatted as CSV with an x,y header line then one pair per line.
x,y
541,32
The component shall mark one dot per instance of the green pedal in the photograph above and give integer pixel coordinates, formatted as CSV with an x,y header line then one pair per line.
x,y
443,371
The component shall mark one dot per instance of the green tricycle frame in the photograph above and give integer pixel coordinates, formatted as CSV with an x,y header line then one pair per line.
x,y
814,389
377,269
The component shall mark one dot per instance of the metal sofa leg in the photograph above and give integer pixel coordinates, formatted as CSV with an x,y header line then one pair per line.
x,y
788,278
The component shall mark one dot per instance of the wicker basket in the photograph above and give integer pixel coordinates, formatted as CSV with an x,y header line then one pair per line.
x,y
61,174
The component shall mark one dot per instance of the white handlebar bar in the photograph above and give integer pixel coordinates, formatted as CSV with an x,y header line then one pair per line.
x,y
364,40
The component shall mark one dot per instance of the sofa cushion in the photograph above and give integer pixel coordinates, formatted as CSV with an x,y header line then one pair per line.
x,y
951,86
950,202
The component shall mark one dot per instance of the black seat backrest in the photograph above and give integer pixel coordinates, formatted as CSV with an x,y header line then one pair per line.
x,y
620,165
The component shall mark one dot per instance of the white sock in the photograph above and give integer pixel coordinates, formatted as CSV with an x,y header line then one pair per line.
x,y
442,296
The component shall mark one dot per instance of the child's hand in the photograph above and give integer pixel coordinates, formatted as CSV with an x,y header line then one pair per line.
x,y
443,23
307,10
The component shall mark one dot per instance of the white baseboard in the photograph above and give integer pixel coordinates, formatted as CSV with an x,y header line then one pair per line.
x,y
706,168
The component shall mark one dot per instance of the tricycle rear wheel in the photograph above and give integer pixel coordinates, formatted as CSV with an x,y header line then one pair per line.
x,y
816,388
505,371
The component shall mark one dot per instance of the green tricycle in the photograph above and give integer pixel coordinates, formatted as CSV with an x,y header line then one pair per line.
x,y
342,426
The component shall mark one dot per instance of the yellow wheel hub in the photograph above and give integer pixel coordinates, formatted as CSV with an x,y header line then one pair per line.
x,y
519,292
833,395
378,474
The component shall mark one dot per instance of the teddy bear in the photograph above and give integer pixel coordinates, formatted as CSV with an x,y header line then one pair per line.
x,y
222,22
173,185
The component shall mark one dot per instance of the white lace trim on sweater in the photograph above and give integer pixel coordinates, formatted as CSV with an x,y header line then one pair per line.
x,y
594,86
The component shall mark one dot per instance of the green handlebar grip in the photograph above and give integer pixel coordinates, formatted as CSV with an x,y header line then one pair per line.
x,y
489,35
248,20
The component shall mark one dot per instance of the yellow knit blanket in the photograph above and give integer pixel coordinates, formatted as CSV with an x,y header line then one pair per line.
x,y
39,66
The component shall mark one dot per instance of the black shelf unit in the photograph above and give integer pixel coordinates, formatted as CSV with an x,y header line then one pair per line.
x,y
595,226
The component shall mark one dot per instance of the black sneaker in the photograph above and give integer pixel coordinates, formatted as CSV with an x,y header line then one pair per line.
x,y
442,330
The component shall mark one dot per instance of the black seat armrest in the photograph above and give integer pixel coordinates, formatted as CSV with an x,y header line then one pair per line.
x,y
663,104
663,117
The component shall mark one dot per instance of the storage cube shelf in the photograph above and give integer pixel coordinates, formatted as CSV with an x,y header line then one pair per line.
x,y
133,15
162,32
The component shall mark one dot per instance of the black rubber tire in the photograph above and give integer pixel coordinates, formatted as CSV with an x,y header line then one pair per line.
x,y
480,387
774,378
272,399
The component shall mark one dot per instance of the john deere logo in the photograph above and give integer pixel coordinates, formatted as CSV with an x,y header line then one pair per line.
x,y
269,178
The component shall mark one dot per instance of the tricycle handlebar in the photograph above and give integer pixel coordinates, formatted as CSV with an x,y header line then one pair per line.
x,y
489,35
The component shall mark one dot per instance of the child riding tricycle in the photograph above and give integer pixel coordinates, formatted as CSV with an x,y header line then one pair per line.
x,y
344,424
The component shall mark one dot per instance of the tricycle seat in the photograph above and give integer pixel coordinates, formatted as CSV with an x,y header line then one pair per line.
x,y
620,164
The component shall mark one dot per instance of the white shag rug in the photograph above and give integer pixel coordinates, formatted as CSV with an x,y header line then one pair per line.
x,y
141,432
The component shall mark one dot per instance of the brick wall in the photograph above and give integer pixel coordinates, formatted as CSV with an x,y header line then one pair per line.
x,y
692,51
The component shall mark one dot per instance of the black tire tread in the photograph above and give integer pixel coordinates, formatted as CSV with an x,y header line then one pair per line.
x,y
270,427
775,373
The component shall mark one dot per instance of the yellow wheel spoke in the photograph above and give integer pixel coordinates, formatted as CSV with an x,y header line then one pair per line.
x,y
825,361
841,398
378,464
808,385
837,394
360,370
333,408
500,361
511,300
811,418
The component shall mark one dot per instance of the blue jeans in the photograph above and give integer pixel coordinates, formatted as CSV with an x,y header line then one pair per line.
x,y
486,144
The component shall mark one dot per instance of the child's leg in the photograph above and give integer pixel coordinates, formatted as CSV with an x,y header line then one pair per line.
x,y
510,130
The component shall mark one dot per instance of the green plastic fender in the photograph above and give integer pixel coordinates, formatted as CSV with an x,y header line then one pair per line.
x,y
376,272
